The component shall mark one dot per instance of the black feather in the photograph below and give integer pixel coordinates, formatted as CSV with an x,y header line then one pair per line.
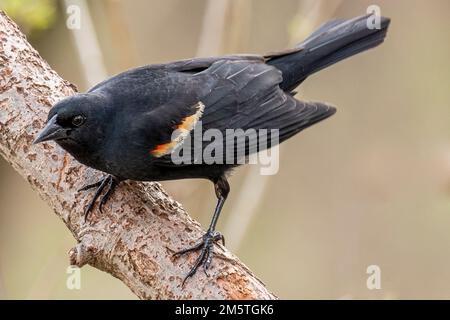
x,y
331,43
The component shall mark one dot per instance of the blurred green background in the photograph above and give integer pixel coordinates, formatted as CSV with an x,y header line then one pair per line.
x,y
370,185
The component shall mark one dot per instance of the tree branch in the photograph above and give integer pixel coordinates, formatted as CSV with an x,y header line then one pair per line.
x,y
141,226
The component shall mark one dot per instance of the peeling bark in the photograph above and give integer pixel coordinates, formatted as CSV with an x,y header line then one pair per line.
x,y
140,227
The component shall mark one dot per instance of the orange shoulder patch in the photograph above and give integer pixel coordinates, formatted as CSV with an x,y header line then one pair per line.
x,y
162,149
180,133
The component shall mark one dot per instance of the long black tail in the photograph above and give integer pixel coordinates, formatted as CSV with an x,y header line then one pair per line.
x,y
331,43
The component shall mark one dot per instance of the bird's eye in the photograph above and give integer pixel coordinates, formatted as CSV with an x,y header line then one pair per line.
x,y
78,120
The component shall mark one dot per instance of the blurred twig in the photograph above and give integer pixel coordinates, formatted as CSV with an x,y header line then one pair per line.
x,y
254,187
86,43
135,236
2,287
240,19
213,26
119,34
309,15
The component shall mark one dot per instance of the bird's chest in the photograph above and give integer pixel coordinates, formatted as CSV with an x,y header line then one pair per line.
x,y
128,160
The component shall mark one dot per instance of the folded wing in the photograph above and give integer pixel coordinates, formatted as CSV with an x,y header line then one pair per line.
x,y
245,96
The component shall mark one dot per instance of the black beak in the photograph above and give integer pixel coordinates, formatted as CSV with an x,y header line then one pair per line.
x,y
52,131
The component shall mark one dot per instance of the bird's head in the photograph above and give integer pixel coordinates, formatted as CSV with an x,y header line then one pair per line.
x,y
76,123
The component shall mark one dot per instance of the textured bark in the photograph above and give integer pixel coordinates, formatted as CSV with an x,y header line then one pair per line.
x,y
140,227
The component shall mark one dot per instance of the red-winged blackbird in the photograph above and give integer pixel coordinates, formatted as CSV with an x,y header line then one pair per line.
x,y
124,125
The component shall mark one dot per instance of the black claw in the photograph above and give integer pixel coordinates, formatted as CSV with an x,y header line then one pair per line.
x,y
217,236
197,264
194,248
111,185
207,262
109,181
88,209
100,205
90,186
205,258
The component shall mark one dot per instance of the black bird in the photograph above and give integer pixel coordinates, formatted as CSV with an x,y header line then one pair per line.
x,y
124,126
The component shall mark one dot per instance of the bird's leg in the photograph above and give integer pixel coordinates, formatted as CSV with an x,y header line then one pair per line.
x,y
109,182
211,236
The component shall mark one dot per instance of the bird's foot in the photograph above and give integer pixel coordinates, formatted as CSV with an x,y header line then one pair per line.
x,y
109,182
205,246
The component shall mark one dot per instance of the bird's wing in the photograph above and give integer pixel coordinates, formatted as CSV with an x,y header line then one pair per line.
x,y
148,74
172,124
255,104
237,94
196,65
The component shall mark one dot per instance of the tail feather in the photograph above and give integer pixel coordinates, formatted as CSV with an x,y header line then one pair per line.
x,y
331,43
